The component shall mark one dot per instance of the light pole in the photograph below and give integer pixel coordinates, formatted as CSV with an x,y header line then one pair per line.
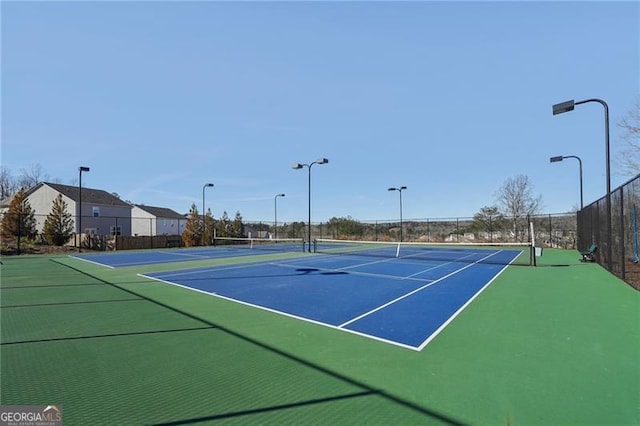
x,y
569,106
402,188
300,166
206,185
80,170
275,215
562,157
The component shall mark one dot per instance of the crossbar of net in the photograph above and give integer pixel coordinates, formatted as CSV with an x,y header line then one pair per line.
x,y
491,253
275,244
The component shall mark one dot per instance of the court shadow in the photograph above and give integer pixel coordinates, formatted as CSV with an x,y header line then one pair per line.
x,y
430,415
306,270
334,273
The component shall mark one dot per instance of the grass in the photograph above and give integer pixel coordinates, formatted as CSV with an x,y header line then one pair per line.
x,y
555,344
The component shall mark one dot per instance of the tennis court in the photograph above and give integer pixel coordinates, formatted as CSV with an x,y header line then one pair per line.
x,y
374,290
227,247
556,344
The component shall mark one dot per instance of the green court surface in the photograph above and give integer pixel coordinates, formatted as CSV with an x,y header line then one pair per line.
x,y
554,344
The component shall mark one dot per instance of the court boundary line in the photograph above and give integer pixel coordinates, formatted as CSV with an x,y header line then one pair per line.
x,y
91,261
213,254
462,308
286,314
342,326
366,274
412,292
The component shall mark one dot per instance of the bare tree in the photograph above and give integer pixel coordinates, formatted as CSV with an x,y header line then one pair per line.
x,y
8,184
630,154
32,176
517,201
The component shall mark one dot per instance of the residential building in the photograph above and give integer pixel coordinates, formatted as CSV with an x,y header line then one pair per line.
x,y
152,221
102,213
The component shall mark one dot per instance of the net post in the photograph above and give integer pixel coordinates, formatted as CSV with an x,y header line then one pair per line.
x,y
532,247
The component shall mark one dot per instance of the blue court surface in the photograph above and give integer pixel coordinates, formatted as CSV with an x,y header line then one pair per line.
x,y
127,258
401,301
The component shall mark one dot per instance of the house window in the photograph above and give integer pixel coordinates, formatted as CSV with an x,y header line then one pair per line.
x,y
96,211
91,231
115,230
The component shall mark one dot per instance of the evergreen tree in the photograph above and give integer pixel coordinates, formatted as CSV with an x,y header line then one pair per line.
x,y
488,220
223,226
19,220
209,226
237,227
192,235
58,227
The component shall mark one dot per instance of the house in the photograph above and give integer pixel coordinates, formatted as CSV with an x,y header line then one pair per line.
x,y
102,213
152,221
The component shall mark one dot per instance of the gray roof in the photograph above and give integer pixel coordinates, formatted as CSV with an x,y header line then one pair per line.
x,y
161,212
93,196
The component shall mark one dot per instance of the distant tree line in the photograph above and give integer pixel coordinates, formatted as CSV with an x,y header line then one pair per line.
x,y
201,231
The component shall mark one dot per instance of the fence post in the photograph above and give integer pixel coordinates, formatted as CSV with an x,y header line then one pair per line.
x,y
490,230
623,257
19,229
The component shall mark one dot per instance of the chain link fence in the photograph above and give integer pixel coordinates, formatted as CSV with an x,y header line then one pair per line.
x,y
618,247
122,233
551,230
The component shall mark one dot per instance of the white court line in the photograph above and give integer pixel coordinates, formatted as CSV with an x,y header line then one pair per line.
x,y
456,313
366,274
213,269
286,314
341,327
91,261
183,254
414,291
440,265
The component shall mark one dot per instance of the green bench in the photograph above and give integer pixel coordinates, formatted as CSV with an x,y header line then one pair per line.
x,y
589,255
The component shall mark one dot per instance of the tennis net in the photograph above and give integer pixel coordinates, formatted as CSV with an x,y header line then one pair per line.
x,y
274,244
487,253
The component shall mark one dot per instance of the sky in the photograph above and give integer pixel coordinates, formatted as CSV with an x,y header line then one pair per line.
x,y
449,99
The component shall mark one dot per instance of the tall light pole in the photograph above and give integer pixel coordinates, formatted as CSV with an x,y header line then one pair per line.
x,y
562,157
206,185
402,188
275,214
569,106
308,166
80,170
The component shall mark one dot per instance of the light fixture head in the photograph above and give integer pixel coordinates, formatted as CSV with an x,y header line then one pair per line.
x,y
296,166
322,161
564,107
556,159
83,169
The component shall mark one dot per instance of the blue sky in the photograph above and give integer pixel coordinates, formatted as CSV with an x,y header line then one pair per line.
x,y
447,98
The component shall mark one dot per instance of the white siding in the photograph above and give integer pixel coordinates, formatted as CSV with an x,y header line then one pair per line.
x,y
41,202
